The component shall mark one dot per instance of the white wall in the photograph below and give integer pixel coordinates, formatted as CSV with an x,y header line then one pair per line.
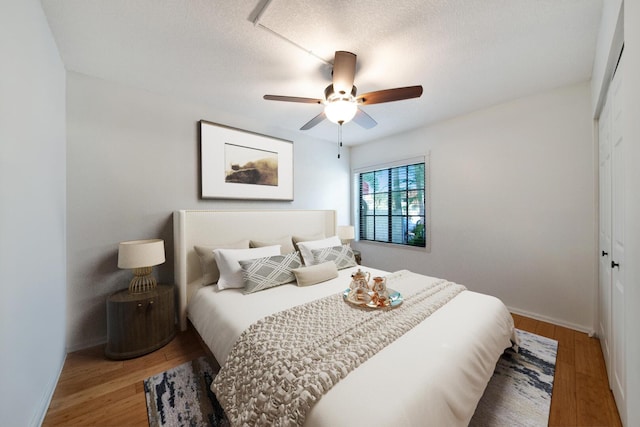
x,y
512,204
132,160
32,213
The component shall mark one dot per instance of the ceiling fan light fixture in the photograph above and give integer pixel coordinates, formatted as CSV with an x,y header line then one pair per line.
x,y
340,103
341,110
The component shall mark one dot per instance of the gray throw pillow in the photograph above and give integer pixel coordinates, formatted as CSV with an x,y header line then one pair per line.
x,y
210,271
265,273
286,244
341,255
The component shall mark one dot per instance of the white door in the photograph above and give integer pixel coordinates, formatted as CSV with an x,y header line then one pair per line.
x,y
604,294
617,373
611,327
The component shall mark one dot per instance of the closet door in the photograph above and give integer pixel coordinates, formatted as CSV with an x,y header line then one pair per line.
x,y
611,327
604,294
617,372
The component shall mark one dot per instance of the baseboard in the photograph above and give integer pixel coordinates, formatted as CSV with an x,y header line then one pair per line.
x,y
45,401
576,327
87,344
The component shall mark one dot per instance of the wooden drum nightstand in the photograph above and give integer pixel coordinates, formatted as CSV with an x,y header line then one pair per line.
x,y
357,256
139,323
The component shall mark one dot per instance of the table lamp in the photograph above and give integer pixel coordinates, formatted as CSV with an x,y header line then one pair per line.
x,y
141,256
346,233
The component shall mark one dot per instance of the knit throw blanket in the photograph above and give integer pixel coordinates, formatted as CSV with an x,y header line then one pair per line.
x,y
281,365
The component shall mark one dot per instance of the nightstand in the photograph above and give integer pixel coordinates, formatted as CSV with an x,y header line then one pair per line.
x,y
357,256
139,323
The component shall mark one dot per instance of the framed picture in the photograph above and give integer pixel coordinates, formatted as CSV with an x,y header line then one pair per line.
x,y
236,164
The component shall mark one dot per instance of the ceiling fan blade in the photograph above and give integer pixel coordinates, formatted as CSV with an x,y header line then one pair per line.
x,y
311,123
344,71
364,120
292,99
389,95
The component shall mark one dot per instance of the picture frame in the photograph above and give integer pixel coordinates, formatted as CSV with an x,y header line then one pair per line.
x,y
237,164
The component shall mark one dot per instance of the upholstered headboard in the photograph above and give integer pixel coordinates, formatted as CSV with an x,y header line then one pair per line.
x,y
207,228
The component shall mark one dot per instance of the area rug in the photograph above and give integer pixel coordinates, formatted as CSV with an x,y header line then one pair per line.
x,y
182,396
519,392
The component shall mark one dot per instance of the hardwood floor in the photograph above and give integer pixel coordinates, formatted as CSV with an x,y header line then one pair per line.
x,y
96,391
581,395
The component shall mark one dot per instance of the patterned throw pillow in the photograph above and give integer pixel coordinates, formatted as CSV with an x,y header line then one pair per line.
x,y
228,261
305,248
341,255
265,273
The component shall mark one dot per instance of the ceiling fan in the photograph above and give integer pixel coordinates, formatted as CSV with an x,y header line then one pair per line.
x,y
340,100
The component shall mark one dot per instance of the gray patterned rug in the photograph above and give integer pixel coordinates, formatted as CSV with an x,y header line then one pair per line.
x,y
519,392
181,396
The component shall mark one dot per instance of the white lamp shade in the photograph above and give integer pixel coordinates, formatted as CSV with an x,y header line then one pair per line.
x,y
141,253
346,232
340,110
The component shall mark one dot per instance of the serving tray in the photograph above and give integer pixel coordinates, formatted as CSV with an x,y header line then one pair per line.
x,y
394,300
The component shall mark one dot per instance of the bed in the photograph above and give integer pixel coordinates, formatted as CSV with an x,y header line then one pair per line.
x,y
434,374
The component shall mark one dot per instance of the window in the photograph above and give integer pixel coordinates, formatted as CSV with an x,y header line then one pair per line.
x,y
392,204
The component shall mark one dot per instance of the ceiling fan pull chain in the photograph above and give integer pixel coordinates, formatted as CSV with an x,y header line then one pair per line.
x,y
339,137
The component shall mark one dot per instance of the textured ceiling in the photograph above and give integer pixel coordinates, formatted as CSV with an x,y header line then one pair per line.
x,y
467,54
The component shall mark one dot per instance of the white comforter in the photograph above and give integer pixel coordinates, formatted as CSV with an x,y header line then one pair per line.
x,y
434,374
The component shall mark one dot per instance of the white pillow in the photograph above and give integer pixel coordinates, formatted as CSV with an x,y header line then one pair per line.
x,y
229,265
307,247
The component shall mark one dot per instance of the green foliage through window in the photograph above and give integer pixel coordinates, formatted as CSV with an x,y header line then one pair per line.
x,y
392,205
